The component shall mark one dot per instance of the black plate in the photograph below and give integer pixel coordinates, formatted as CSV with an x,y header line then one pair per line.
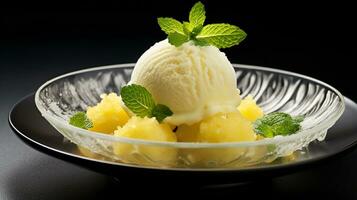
x,y
28,124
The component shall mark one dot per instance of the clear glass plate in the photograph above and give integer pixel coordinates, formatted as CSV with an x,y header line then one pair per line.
x,y
274,90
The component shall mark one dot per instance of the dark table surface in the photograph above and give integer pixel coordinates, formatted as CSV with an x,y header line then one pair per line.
x,y
28,174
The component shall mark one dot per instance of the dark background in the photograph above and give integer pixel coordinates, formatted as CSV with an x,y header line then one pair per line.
x,y
41,40
313,39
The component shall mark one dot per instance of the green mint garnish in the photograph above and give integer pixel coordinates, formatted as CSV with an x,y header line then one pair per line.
x,y
81,120
177,39
170,25
219,35
139,100
277,123
197,15
161,112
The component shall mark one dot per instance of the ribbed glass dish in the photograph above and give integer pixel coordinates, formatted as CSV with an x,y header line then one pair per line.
x,y
274,90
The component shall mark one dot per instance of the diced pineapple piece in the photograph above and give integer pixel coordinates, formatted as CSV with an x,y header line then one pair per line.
x,y
249,109
108,114
186,133
146,129
229,127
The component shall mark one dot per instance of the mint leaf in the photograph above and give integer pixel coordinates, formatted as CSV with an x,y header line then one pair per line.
x,y
177,39
196,30
221,35
187,28
161,112
191,31
81,120
141,103
137,99
200,42
170,25
197,14
263,129
277,123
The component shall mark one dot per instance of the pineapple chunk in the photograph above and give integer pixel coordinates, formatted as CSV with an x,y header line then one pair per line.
x,y
229,127
108,114
249,109
146,129
186,133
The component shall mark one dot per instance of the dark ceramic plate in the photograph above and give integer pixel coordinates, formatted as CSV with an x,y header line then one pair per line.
x,y
28,125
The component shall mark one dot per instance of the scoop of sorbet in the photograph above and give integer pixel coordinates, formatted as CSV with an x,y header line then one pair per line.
x,y
193,81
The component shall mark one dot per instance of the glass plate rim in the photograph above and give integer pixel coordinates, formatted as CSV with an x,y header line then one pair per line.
x,y
269,141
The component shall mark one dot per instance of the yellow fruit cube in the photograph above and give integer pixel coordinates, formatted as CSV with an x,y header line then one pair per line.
x,y
186,133
229,127
146,129
249,109
108,114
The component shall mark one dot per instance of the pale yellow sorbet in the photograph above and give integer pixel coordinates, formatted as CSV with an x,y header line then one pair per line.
x,y
195,82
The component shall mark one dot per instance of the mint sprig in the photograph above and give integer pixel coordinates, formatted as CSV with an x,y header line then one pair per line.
x,y
81,120
170,25
197,14
177,39
277,123
161,112
220,35
139,100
